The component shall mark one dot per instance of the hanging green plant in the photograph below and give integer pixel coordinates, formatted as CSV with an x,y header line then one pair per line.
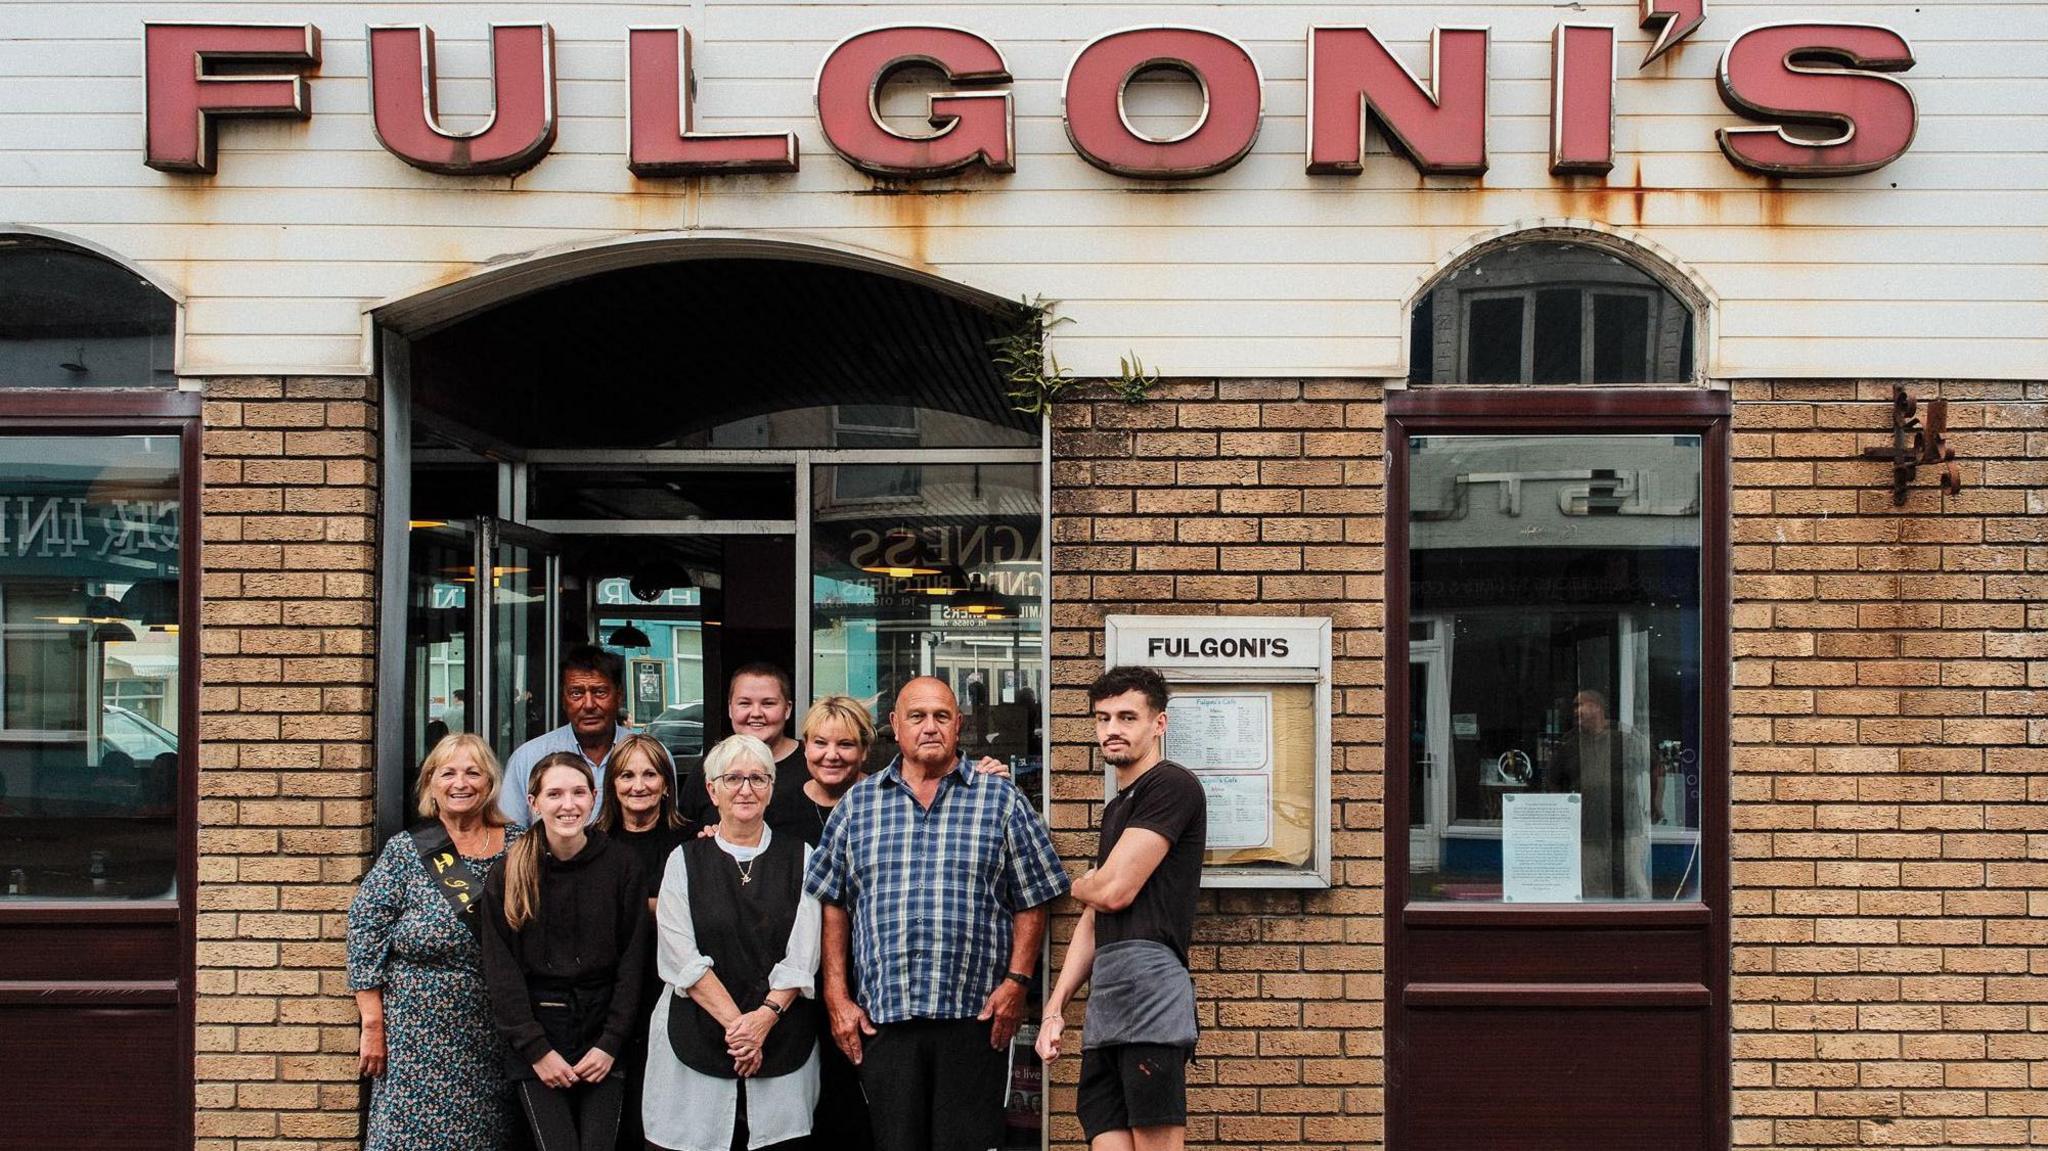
x,y
1032,375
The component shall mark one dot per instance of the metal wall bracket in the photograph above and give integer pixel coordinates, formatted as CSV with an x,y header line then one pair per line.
x,y
1915,445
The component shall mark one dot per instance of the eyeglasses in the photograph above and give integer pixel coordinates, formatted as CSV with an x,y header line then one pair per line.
x,y
736,782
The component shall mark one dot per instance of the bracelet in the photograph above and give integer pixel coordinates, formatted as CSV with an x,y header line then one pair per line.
x,y
1018,978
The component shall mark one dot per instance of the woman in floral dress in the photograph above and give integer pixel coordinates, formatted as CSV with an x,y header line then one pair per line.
x,y
436,1063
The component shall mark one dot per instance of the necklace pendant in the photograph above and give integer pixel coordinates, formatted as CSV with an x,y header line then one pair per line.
x,y
745,879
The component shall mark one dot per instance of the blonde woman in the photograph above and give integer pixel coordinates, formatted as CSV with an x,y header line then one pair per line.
x,y
564,922
734,1058
436,1066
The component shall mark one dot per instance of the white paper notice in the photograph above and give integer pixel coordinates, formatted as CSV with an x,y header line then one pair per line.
x,y
1220,731
1539,848
1226,739
1240,809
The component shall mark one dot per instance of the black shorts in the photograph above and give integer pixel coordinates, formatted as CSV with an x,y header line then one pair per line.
x,y
1133,1085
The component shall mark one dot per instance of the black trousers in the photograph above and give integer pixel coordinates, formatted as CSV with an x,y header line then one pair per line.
x,y
584,1117
934,1083
841,1122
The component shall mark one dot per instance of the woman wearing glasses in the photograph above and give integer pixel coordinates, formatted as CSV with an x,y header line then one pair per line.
x,y
733,1059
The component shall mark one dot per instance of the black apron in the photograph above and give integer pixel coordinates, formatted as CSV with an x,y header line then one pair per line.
x,y
744,928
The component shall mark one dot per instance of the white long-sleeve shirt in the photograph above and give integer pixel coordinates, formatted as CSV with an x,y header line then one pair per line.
x,y
686,1110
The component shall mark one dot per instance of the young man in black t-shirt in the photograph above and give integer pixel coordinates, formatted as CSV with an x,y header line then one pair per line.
x,y
1133,936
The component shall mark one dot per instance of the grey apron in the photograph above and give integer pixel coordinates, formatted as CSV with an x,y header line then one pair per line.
x,y
1139,993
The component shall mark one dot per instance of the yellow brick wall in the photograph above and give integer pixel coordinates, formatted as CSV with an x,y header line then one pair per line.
x,y
1890,791
1242,497
1890,784
289,497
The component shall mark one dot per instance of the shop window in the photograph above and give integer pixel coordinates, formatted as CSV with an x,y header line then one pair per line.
x,y
1547,313
89,666
1555,665
945,580
71,319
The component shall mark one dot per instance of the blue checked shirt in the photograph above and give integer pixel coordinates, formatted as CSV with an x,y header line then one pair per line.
x,y
931,892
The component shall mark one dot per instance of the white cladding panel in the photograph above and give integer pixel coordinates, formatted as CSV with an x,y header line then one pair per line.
x,y
1934,266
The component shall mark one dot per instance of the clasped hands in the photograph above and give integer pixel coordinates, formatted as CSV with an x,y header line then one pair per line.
x,y
745,1037
555,1071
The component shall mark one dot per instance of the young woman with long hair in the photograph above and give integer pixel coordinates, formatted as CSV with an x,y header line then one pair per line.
x,y
565,921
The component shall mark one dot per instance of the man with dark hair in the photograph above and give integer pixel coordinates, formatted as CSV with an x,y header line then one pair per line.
x,y
759,699
1609,766
935,879
1135,929
593,691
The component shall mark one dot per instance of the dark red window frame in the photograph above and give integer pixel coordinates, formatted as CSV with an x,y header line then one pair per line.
x,y
1521,411
57,927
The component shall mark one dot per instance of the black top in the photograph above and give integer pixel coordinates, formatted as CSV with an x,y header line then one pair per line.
x,y
812,826
788,808
1169,800
570,979
650,849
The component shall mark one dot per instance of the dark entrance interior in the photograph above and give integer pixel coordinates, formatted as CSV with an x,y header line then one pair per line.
x,y
705,463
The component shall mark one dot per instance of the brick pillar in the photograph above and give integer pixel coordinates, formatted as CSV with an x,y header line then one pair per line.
x,y
289,495
1251,497
1890,789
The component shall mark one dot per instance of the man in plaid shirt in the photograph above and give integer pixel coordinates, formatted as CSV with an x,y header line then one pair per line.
x,y
935,881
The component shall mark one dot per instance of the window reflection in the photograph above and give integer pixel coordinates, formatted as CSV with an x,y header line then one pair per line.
x,y
1554,650
933,569
89,666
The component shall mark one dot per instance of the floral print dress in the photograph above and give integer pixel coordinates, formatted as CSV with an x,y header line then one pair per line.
x,y
443,1087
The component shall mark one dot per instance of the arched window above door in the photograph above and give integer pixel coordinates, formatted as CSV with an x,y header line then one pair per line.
x,y
1546,312
72,319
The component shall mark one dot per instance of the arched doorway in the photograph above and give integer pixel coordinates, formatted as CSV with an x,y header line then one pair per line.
x,y
1557,893
705,463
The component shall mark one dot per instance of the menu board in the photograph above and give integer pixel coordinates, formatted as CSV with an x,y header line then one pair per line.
x,y
1253,749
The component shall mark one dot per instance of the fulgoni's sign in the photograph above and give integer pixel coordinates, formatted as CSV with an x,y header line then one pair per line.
x,y
1817,94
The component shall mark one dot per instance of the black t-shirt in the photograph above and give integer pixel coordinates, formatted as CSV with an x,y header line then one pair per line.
x,y
651,848
1169,800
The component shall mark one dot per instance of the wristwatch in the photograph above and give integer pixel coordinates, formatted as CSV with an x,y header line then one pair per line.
x,y
771,1005
1018,977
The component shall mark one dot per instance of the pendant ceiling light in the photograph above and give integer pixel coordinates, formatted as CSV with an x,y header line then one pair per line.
x,y
628,637
902,556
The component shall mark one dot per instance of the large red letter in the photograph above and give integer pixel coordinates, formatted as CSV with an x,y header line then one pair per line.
x,y
404,101
659,114
1232,102
1350,72
1582,99
1806,74
972,127
183,100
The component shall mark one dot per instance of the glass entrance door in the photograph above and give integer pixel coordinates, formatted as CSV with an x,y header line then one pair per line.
x,y
482,605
